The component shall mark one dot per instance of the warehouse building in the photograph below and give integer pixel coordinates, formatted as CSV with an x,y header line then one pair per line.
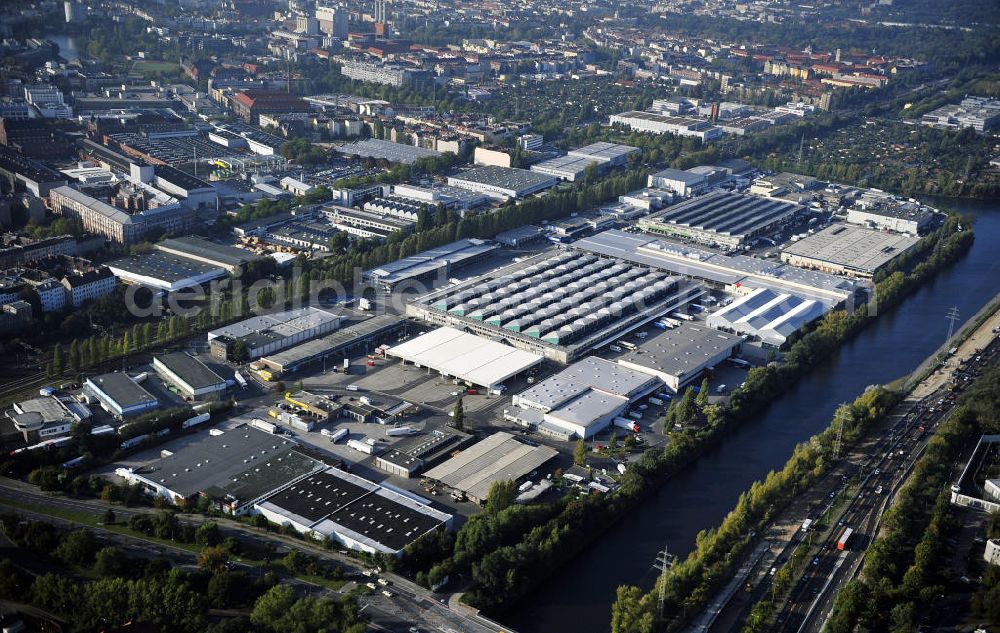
x,y
584,398
190,375
663,124
882,211
234,469
683,183
476,360
679,356
499,457
269,333
502,182
165,272
736,274
437,262
365,223
721,218
119,394
387,150
456,198
45,417
360,515
573,165
410,456
192,247
847,250
557,305
767,315
359,337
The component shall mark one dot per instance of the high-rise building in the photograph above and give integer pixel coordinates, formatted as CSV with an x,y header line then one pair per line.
x,y
70,11
333,21
380,11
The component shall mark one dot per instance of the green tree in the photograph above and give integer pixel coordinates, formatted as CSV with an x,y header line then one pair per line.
x,y
702,399
77,548
74,356
111,562
208,534
501,495
213,558
57,359
580,453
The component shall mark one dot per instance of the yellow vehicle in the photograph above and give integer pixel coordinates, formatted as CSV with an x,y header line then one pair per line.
x,y
266,375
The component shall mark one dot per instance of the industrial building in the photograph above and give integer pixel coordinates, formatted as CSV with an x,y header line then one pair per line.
x,y
557,305
882,211
164,271
735,274
461,200
767,315
269,333
188,374
235,469
473,359
683,183
387,150
980,113
192,247
847,250
663,124
410,456
119,394
723,218
365,223
359,337
39,419
122,226
502,182
426,265
679,356
573,165
363,516
584,398
499,457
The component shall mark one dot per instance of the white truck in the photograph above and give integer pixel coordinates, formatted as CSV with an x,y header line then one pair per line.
x,y
399,431
629,425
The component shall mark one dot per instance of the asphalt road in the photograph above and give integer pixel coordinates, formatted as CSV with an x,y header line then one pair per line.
x,y
409,606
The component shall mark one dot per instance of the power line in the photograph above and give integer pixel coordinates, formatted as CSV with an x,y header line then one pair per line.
x,y
952,316
664,561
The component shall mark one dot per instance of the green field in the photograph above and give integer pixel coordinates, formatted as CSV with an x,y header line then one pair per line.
x,y
148,67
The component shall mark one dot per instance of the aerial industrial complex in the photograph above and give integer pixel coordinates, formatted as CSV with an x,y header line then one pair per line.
x,y
559,306
723,218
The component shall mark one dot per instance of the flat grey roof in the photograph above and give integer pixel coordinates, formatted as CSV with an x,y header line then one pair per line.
x,y
499,457
852,247
678,351
393,152
726,213
164,266
589,374
430,260
122,389
687,177
200,247
505,177
244,462
281,324
191,370
290,358
690,261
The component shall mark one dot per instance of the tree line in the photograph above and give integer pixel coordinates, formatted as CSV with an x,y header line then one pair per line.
x,y
94,586
906,569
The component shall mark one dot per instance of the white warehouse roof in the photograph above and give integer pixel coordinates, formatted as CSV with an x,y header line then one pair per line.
x,y
466,356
